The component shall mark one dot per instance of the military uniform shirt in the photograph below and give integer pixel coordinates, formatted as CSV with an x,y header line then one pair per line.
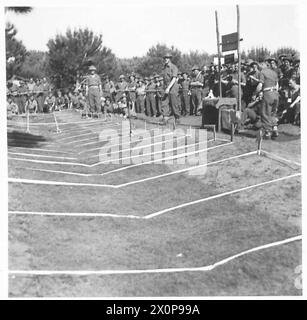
x,y
268,78
170,71
93,80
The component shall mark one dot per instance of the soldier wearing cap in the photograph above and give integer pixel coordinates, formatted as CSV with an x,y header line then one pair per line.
x,y
140,97
109,88
39,95
150,98
170,99
23,96
233,82
93,90
132,91
196,86
296,69
184,90
252,81
121,86
159,93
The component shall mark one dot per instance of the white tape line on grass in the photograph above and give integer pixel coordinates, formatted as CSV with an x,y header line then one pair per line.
x,y
158,213
122,168
57,183
185,170
41,156
277,158
165,270
155,214
96,121
145,179
38,149
75,214
51,162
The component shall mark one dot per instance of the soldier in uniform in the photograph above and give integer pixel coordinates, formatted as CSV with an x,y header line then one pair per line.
x,y
23,96
31,85
39,95
233,82
132,92
109,89
140,97
120,88
184,89
252,81
269,85
93,91
46,88
31,105
150,98
170,99
196,86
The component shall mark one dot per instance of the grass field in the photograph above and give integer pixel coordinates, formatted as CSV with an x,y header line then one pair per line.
x,y
78,227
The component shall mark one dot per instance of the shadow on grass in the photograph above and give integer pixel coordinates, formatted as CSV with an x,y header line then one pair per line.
x,y
23,139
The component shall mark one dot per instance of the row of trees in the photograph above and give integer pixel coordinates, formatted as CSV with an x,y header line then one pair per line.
x,y
70,54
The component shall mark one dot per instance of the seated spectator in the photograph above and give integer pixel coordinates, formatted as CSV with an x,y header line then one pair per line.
x,y
49,104
31,105
60,101
11,107
108,107
253,111
123,107
292,112
74,100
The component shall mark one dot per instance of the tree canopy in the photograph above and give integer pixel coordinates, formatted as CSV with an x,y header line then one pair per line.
x,y
15,51
72,53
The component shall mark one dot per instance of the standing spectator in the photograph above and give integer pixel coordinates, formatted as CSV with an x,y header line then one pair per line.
x,y
39,95
132,91
31,85
109,89
150,98
196,86
121,87
184,86
252,81
140,97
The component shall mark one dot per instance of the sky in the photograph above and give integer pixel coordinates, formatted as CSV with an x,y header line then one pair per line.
x,y
131,29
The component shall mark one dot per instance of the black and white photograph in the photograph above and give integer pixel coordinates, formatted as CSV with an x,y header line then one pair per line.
x,y
151,149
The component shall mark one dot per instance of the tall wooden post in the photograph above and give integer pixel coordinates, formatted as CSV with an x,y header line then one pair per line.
x,y
218,52
239,57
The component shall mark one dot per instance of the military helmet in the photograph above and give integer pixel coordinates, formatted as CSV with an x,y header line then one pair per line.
x,y
92,68
195,67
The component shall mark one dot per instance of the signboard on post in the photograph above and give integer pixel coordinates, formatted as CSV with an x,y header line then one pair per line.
x,y
230,42
229,58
